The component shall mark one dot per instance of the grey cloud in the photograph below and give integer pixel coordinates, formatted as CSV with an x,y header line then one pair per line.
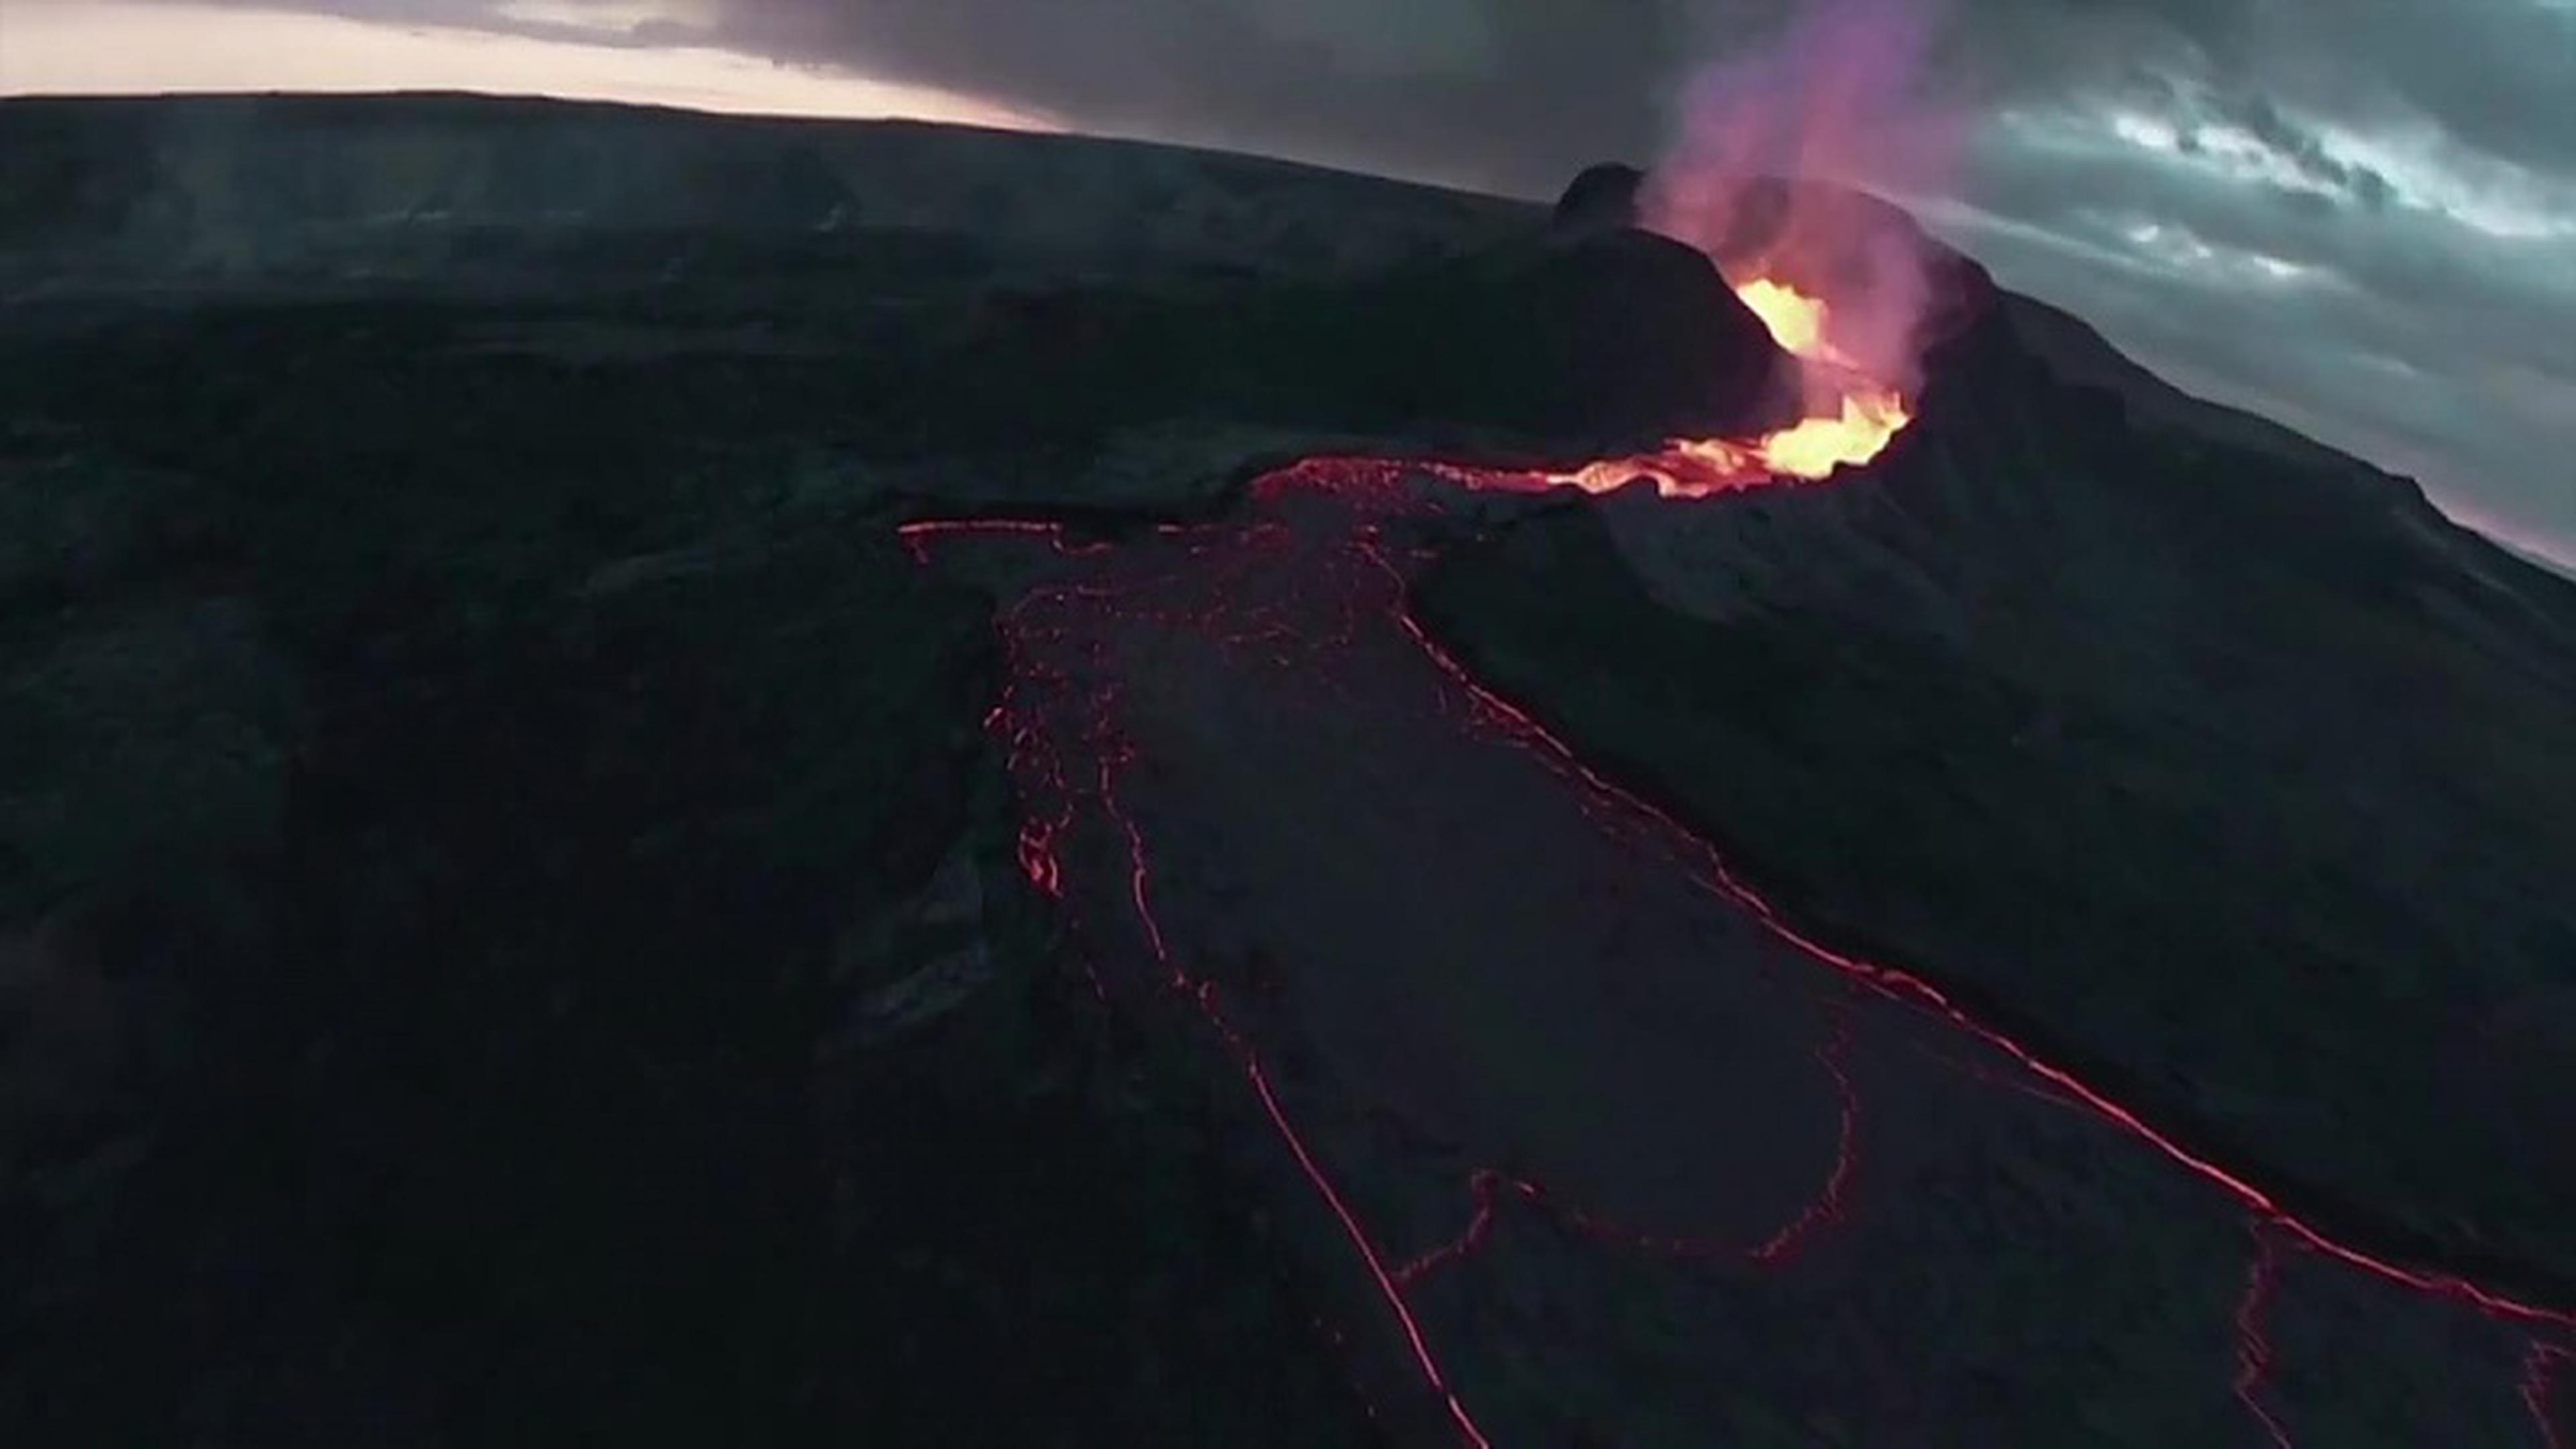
x,y
2429,346
2263,120
1507,95
2495,74
2446,281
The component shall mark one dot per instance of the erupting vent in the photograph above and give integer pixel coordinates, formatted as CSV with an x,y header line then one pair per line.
x,y
1850,416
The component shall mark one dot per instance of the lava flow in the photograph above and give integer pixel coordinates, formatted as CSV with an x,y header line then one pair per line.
x,y
1313,578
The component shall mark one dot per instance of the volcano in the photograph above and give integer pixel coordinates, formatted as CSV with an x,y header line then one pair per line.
x,y
810,781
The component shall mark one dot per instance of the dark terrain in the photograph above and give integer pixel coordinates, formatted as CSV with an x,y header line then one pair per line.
x,y
513,929
1626,1158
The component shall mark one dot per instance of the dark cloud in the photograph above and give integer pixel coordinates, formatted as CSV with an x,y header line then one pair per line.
x,y
1504,95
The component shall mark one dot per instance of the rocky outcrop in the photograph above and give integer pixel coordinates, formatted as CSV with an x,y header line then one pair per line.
x,y
1601,196
1619,333
1578,342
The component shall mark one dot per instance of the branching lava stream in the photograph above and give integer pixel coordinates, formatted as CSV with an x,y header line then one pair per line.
x,y
1137,666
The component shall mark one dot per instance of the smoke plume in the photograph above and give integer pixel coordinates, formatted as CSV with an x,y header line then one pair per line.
x,y
1768,146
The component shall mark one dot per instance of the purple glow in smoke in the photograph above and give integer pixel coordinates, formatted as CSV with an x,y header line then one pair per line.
x,y
1834,98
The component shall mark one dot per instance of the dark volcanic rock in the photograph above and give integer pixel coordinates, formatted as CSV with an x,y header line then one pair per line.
x,y
1612,336
503,898
601,1006
1604,341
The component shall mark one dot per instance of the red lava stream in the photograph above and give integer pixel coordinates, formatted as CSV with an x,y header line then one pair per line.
x,y
1341,519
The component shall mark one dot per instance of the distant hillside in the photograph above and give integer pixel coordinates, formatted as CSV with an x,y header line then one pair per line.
x,y
236,185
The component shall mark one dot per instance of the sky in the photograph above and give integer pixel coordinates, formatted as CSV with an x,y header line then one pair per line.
x,y
2355,216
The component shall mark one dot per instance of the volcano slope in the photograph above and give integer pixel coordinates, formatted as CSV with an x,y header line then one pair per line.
x,y
544,879
2134,735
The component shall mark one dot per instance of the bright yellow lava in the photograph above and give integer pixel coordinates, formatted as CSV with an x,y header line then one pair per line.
x,y
1796,320
1869,413
1815,447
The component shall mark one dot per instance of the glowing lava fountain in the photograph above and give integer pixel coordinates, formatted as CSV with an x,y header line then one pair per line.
x,y
1849,417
